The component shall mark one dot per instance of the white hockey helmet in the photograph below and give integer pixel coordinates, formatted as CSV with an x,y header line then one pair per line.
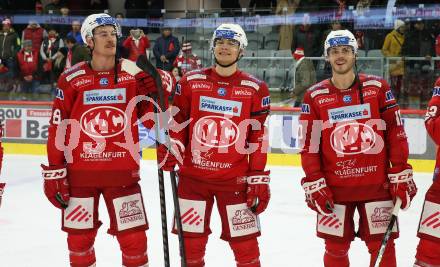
x,y
95,20
340,37
230,31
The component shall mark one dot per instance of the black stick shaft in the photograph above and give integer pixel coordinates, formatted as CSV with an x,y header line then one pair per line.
x,y
178,218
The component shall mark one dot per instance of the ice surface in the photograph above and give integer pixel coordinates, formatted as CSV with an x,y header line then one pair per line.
x,y
30,232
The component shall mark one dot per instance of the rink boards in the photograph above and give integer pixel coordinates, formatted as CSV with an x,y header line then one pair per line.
x,y
25,127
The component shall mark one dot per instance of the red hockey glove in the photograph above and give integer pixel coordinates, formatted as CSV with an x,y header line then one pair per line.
x,y
258,191
56,186
169,159
402,184
318,196
2,188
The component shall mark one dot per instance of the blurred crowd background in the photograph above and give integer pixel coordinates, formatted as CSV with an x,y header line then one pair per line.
x,y
398,40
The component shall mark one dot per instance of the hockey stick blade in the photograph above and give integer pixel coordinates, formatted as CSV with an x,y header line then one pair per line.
x,y
388,232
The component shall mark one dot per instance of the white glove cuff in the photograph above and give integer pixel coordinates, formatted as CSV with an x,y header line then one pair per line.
x,y
258,179
54,174
401,177
314,186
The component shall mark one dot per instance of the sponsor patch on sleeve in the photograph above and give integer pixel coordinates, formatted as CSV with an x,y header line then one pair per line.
x,y
59,94
305,109
436,91
265,102
250,83
389,96
196,76
372,82
319,92
75,74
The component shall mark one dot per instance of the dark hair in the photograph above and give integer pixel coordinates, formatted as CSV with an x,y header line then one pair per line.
x,y
70,39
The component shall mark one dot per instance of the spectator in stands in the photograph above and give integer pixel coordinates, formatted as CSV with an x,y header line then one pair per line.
x,y
125,29
286,8
48,53
136,44
76,32
187,60
38,8
305,76
177,73
75,53
418,76
166,49
53,7
363,7
307,37
35,33
267,6
27,59
392,47
9,46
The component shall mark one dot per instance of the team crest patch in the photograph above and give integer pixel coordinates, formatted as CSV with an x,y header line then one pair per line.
x,y
379,216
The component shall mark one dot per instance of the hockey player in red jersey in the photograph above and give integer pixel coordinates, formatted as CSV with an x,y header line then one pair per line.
x,y
224,150
354,155
428,250
187,61
93,147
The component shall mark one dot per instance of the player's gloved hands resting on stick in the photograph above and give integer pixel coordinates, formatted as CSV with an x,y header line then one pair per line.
x,y
258,191
402,184
56,186
169,159
318,196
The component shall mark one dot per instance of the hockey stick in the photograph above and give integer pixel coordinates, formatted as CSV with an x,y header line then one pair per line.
x,y
144,64
387,234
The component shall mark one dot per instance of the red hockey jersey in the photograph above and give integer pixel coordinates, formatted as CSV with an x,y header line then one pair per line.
x,y
101,143
226,137
351,136
432,122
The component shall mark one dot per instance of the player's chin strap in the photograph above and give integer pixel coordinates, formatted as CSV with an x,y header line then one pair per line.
x,y
227,65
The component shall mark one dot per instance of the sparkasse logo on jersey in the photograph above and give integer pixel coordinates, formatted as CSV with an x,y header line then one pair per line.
x,y
220,106
105,96
349,113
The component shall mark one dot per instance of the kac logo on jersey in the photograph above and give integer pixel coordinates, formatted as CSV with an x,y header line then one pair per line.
x,y
305,109
103,81
349,113
59,94
221,91
389,96
265,102
436,91
105,96
220,106
346,99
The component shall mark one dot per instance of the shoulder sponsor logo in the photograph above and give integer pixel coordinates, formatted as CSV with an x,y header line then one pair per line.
x,y
59,94
326,100
82,81
319,92
389,96
196,76
369,92
241,92
105,96
436,91
75,74
372,82
349,113
125,78
265,102
251,84
305,109
220,106
200,86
